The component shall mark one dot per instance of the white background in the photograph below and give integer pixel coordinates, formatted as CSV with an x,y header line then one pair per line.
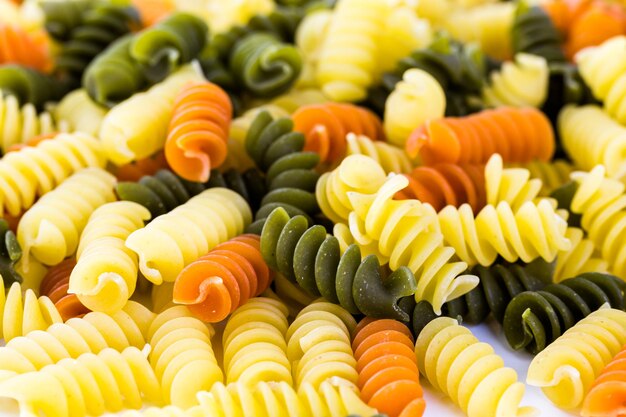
x,y
438,406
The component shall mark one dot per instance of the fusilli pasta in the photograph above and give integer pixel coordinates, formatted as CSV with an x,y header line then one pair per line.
x,y
605,396
389,157
79,113
31,49
55,286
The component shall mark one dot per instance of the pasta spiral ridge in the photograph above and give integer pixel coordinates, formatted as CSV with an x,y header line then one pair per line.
x,y
566,369
389,157
468,371
313,260
63,17
34,171
105,275
318,345
325,127
182,356
94,332
21,314
217,283
20,47
108,381
552,174
55,285
289,171
604,397
79,112
31,86
533,32
388,374
407,233
518,135
523,82
50,230
583,256
10,254
255,348
187,232
535,319
198,131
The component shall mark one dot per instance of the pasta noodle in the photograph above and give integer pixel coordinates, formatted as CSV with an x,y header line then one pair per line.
x,y
414,100
21,47
533,32
468,371
55,286
105,275
518,135
50,230
325,127
604,397
61,17
34,171
255,349
388,374
311,259
80,113
108,381
533,320
389,157
309,39
30,86
582,257
182,356
127,139
552,174
187,232
217,283
417,243
135,170
198,131
151,11
566,369
521,83
10,254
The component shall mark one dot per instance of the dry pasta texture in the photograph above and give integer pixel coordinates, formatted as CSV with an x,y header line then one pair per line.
x,y
80,113
605,398
390,157
55,285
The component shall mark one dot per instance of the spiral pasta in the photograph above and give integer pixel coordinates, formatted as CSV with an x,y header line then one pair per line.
x,y
135,170
518,135
182,356
533,320
468,371
125,138
23,314
552,174
605,396
582,257
325,127
523,82
566,369
213,286
533,32
198,131
389,157
20,47
79,113
414,100
255,348
307,256
318,345
309,38
92,333
108,381
388,374
30,86
10,254
187,232
55,286
105,274
406,233
61,17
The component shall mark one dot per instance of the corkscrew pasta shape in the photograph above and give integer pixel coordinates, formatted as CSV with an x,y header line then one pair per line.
x,y
62,17
198,131
219,282
109,381
31,86
518,135
307,256
182,356
20,47
604,397
135,170
566,370
583,256
34,171
325,127
533,32
255,348
388,374
375,226
468,371
187,232
389,157
50,230
105,274
80,113
533,320
92,333
552,174
55,286
10,255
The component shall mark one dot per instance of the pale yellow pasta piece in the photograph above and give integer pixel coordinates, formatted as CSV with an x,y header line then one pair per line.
x,y
390,158
106,271
580,258
310,37
80,113
552,174
511,185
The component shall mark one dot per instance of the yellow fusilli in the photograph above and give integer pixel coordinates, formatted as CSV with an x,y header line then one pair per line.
x,y
390,158
580,258
80,113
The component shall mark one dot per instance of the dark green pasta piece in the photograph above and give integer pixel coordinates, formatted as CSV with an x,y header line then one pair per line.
x,y
534,319
265,66
101,26
250,184
290,178
10,253
63,16
160,49
30,86
312,259
534,33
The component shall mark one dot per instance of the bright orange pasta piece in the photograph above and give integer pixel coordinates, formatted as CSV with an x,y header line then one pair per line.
x,y
133,171
20,47
198,131
55,285
151,11
34,141
607,396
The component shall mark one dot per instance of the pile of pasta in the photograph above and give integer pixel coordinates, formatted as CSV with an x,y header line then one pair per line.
x,y
296,207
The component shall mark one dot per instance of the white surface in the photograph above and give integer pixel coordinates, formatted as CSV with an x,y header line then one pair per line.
x,y
438,406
